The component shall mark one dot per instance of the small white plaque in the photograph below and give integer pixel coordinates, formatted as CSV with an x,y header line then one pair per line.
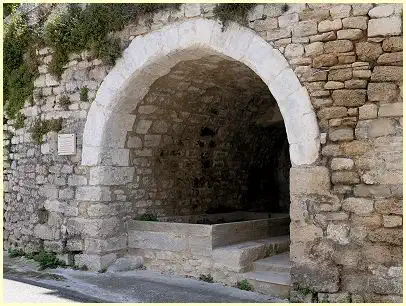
x,y
66,144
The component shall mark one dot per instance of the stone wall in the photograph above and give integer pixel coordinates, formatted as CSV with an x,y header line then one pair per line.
x,y
346,208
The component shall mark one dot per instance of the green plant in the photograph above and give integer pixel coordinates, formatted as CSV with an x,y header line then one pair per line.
x,y
206,278
19,64
88,29
9,8
245,285
48,260
237,12
74,31
149,217
15,253
104,270
40,128
19,121
64,102
303,290
84,94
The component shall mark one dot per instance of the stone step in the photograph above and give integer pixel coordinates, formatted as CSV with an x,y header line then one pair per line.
x,y
275,263
270,283
239,257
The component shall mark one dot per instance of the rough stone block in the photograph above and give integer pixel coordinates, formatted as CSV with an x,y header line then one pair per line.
x,y
143,126
361,9
341,134
278,33
387,73
48,191
320,277
325,60
338,46
389,235
385,26
392,221
74,245
395,58
368,111
294,50
265,25
315,180
381,127
340,11
392,44
314,49
351,98
93,193
340,74
391,110
367,51
330,25
360,22
77,180
45,232
94,262
359,206
389,206
305,28
332,112
355,84
108,175
382,92
334,85
345,177
351,34
288,20
98,246
381,11
342,164
304,232
338,233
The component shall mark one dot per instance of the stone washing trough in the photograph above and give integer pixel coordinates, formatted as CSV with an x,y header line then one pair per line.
x,y
184,234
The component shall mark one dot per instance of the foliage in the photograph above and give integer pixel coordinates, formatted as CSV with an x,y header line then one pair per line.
x,y
303,290
75,31
15,253
149,217
104,270
237,12
40,128
89,29
19,121
64,102
48,260
9,8
206,278
84,94
245,285
19,64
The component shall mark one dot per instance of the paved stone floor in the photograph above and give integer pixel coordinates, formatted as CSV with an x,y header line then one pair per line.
x,y
131,286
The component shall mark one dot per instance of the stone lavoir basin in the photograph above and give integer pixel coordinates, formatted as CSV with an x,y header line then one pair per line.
x,y
228,246
200,234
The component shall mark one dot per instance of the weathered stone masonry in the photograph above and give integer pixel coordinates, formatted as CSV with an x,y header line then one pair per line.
x,y
335,72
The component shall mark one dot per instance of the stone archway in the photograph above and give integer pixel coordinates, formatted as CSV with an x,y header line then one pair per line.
x,y
151,57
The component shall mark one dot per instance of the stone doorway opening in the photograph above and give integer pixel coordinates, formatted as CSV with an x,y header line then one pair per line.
x,y
209,138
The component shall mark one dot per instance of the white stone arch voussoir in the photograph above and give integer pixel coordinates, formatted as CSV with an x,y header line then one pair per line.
x,y
151,56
